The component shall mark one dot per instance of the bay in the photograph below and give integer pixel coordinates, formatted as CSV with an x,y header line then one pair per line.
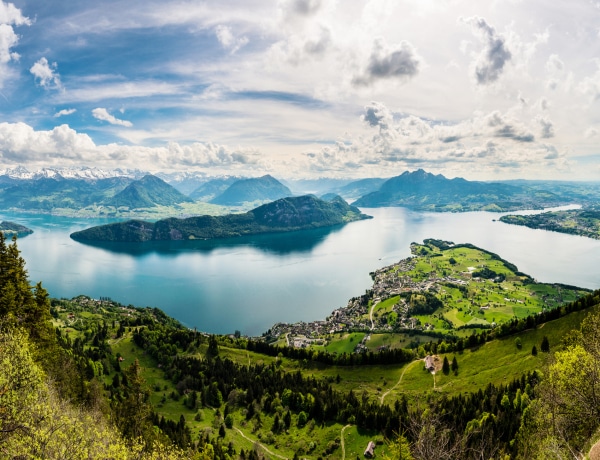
x,y
250,283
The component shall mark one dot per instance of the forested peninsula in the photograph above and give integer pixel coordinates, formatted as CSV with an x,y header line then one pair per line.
x,y
11,228
283,215
582,222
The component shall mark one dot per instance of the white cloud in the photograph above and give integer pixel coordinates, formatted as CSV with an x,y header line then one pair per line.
x,y
63,112
96,89
45,73
102,114
490,62
228,40
9,16
484,145
21,144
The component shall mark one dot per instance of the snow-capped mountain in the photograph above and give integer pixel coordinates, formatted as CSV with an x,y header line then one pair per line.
x,y
86,173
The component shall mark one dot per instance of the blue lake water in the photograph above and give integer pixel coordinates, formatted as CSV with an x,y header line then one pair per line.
x,y
250,283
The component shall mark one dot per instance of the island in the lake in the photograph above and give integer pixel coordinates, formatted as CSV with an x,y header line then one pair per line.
x,y
11,228
283,215
582,222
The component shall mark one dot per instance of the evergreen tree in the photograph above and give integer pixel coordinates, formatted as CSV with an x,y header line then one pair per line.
x,y
446,366
545,347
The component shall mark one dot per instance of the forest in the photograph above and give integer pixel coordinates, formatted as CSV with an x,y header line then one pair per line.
x,y
72,388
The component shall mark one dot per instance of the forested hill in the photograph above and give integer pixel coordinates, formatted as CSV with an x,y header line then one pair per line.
x,y
11,228
284,215
421,190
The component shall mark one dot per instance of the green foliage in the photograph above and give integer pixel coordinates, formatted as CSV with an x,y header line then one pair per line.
x,y
398,449
545,346
518,343
283,215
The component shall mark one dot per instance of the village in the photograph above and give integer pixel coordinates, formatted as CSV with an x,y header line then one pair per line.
x,y
358,314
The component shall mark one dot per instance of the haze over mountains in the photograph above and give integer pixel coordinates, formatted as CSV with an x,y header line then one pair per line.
x,y
53,189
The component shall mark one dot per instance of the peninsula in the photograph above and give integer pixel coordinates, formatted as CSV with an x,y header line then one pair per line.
x,y
283,215
10,228
582,222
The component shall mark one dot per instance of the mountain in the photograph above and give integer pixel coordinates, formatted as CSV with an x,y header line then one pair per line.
x,y
283,215
360,188
48,194
265,188
148,192
213,188
184,181
86,173
421,190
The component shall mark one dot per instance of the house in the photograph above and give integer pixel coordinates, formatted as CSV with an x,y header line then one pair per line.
x,y
370,450
429,363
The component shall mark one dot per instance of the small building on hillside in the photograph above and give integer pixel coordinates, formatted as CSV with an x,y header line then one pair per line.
x,y
429,363
370,450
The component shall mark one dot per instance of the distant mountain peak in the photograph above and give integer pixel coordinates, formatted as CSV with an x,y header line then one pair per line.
x,y
265,188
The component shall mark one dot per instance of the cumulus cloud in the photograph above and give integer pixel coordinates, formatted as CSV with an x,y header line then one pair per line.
x,y
399,61
228,40
546,127
21,144
45,73
489,64
486,144
103,115
590,86
63,112
377,114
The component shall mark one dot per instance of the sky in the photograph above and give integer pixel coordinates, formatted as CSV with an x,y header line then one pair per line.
x,y
502,89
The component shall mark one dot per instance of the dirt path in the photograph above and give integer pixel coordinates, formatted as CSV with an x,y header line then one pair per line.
x,y
399,380
371,314
342,441
595,451
261,445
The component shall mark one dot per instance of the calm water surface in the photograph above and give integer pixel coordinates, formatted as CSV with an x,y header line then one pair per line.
x,y
250,283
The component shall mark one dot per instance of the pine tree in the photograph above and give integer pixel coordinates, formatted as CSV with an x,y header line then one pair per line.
x,y
545,347
446,366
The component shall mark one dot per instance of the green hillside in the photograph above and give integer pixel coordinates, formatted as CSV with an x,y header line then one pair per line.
x,y
132,383
147,192
428,192
284,215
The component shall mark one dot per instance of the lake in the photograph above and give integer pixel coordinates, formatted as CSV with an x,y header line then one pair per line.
x,y
250,283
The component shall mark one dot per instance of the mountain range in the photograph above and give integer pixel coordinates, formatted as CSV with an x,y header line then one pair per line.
x,y
421,190
59,189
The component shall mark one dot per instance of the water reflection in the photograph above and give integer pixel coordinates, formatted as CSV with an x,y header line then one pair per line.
x,y
298,242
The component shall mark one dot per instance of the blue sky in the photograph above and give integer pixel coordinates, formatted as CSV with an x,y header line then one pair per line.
x,y
303,88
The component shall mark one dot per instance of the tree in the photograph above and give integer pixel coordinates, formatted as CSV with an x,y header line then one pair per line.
x,y
133,413
446,366
545,346
398,449
454,365
534,351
